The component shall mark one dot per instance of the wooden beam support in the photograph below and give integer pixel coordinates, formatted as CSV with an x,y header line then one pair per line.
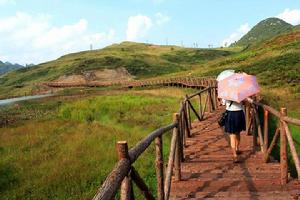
x,y
274,141
141,184
193,109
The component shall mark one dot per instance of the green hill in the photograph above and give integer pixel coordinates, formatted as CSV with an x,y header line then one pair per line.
x,y
6,67
265,30
140,60
275,62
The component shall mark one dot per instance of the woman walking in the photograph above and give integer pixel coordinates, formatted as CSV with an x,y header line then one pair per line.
x,y
234,124
235,87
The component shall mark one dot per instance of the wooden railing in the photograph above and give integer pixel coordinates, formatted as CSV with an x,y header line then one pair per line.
x,y
172,81
124,173
260,131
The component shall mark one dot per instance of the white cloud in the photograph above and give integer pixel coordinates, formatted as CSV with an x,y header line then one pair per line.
x,y
290,16
138,27
236,35
161,19
32,39
4,2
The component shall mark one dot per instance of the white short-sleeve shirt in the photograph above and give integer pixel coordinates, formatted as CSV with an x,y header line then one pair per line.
x,y
235,106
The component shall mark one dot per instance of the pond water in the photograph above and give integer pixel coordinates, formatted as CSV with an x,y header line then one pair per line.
x,y
24,98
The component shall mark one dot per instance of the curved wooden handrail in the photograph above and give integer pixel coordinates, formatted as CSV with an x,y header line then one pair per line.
x,y
275,112
140,147
113,181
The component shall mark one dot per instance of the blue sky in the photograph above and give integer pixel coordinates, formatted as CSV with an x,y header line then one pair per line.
x,y
33,31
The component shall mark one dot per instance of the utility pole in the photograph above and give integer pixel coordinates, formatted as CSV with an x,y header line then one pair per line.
x,y
91,47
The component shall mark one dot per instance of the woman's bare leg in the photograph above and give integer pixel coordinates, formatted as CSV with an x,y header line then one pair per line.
x,y
238,140
233,144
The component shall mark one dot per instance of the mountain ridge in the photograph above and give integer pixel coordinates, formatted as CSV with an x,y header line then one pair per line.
x,y
7,66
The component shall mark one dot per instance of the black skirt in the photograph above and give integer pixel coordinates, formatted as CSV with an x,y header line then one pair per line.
x,y
235,122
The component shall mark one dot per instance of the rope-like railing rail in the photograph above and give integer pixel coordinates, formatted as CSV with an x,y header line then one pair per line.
x,y
260,128
123,173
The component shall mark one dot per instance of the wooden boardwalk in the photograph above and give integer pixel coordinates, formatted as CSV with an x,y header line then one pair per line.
x,y
208,171
200,164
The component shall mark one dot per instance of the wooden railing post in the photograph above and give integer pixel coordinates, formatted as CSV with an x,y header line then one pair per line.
x,y
247,107
283,150
126,185
181,135
259,131
171,162
216,98
186,121
188,112
159,164
254,130
209,101
266,129
212,98
177,163
292,149
200,107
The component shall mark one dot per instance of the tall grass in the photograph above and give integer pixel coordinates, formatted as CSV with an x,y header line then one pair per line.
x,y
69,156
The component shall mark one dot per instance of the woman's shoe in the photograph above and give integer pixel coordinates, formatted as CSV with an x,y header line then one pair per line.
x,y
235,159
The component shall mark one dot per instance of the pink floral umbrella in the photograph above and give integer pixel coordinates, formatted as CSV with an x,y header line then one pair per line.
x,y
238,87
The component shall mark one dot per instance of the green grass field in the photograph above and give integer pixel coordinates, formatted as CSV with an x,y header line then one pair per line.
x,y
67,154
